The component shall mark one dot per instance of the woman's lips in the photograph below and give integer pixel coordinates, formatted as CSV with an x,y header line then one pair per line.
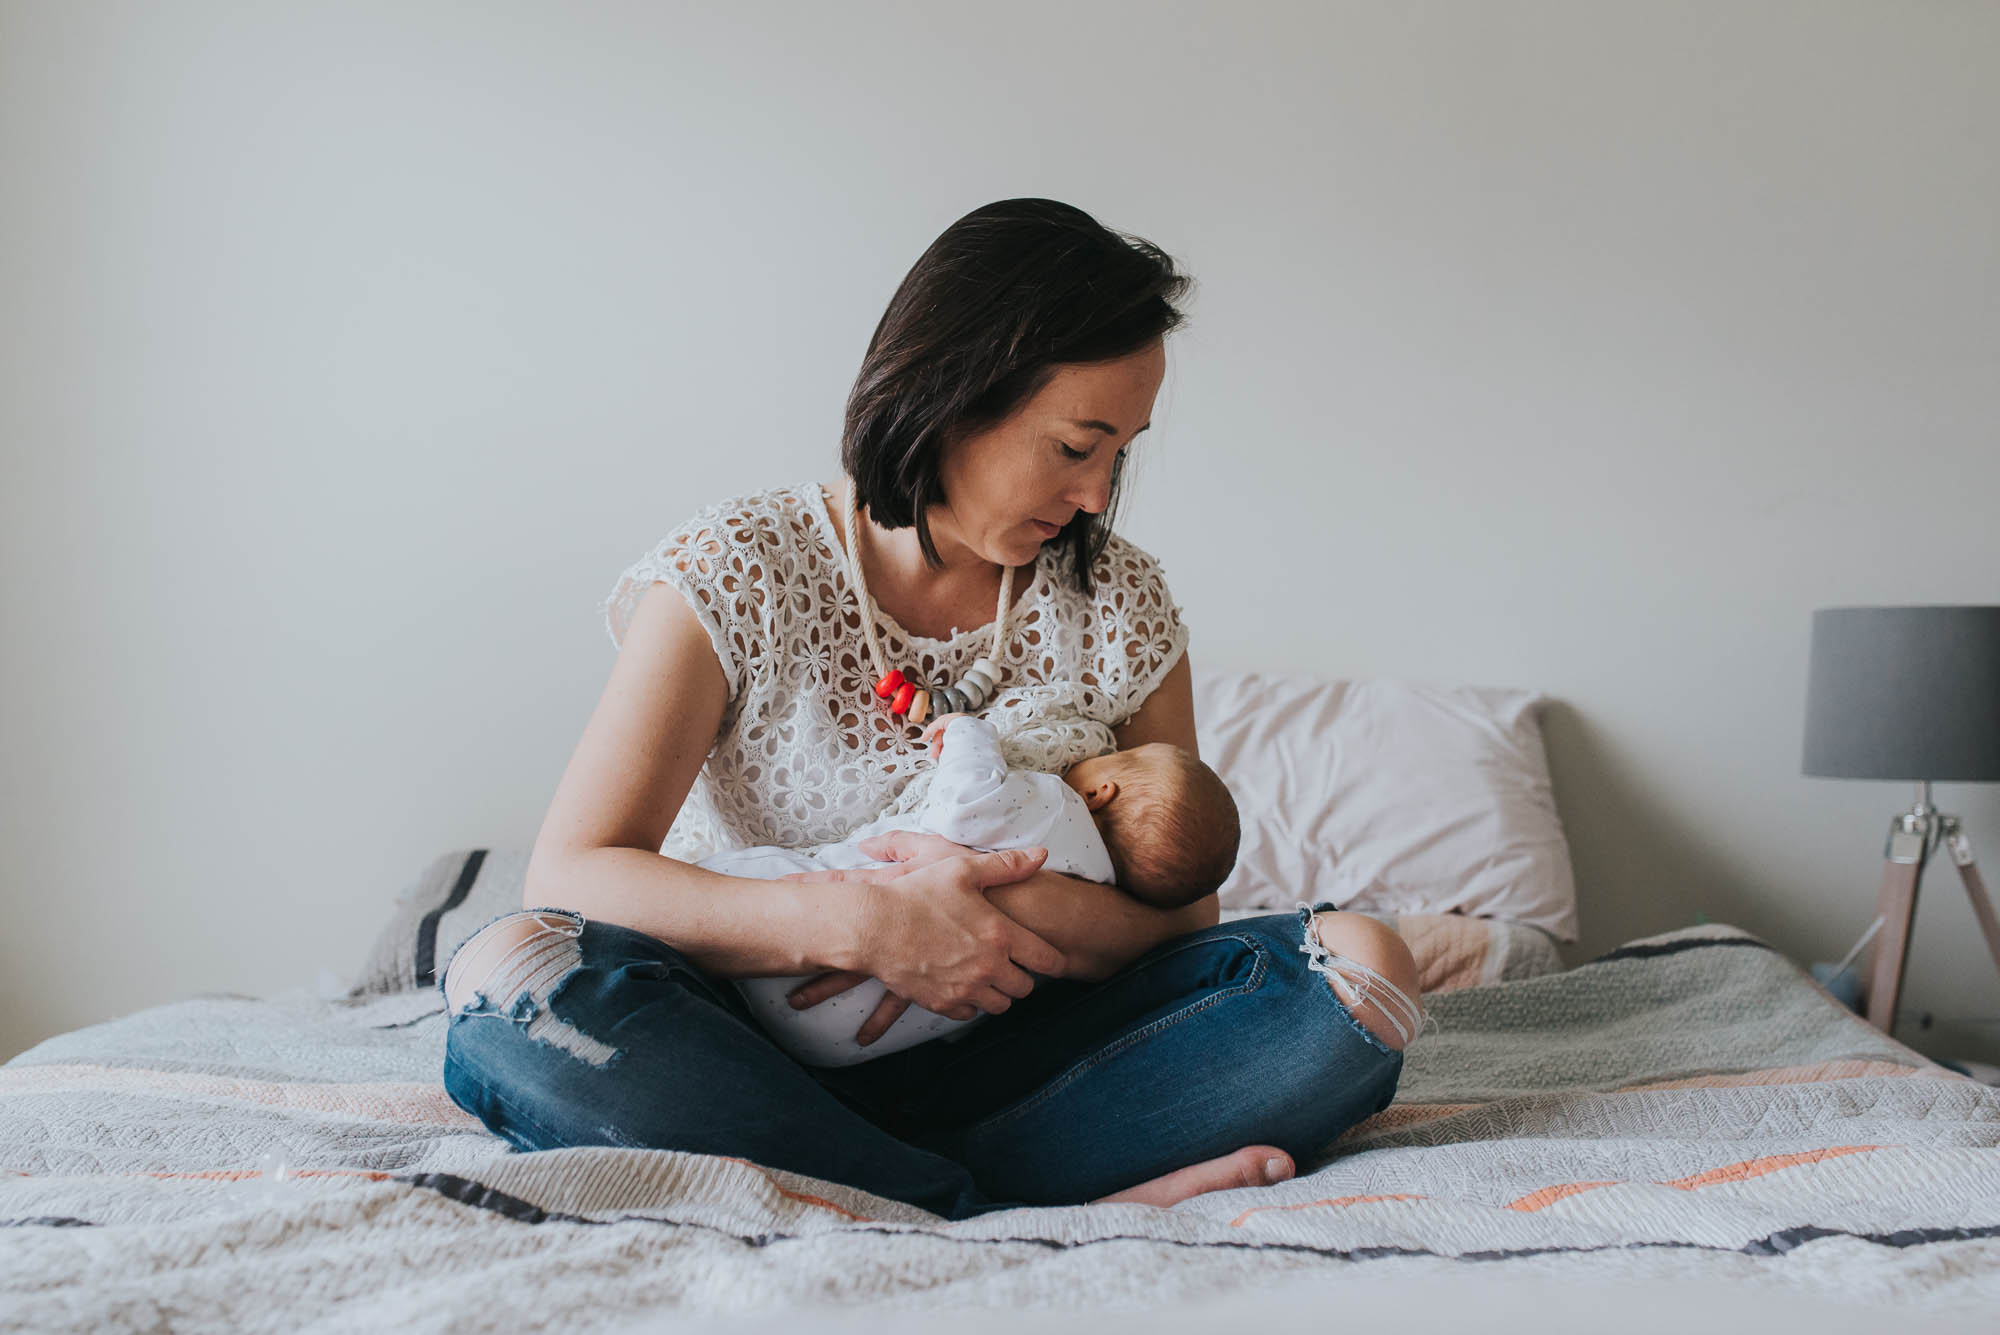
x,y
1047,530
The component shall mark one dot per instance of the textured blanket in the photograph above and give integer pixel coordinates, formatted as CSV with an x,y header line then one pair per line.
x,y
1689,1107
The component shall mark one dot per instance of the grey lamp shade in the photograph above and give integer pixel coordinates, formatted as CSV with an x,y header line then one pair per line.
x,y
1904,693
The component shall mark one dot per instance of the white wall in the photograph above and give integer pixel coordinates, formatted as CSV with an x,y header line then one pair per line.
x,y
347,356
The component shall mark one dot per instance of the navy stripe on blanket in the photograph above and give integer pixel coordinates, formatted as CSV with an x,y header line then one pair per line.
x,y
427,930
472,1193
1676,947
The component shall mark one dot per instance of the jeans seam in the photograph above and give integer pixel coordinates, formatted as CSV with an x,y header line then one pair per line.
x,y
513,1110
1362,1029
1068,1077
1161,951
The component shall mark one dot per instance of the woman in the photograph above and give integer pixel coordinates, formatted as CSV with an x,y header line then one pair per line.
x,y
984,442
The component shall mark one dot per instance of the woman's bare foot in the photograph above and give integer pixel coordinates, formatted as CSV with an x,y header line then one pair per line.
x,y
1245,1168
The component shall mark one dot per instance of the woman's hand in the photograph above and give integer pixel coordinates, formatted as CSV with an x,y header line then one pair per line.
x,y
912,849
934,939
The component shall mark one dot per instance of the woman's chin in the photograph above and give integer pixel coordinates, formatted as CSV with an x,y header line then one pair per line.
x,y
1015,552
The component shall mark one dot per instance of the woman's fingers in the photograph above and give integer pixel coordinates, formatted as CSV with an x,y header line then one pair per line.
x,y
915,848
979,959
1004,868
1032,952
1016,982
873,875
887,1012
816,990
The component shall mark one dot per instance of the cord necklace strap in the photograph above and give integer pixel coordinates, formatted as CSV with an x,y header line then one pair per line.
x,y
859,579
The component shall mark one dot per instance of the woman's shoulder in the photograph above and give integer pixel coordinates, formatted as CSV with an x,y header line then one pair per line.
x,y
726,558
1140,630
766,518
1125,574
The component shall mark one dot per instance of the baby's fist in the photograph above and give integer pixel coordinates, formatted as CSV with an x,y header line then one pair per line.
x,y
934,733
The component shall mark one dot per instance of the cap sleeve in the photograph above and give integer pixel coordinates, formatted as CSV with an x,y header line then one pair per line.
x,y
1143,636
717,562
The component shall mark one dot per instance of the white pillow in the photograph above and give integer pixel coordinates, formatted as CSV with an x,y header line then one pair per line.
x,y
1388,796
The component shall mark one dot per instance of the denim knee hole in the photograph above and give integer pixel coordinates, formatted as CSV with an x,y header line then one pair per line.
x,y
533,968
1365,984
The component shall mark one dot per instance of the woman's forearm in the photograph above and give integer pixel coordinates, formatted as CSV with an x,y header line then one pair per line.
x,y
729,926
1099,928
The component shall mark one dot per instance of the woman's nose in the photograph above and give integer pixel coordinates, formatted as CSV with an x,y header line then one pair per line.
x,y
1093,492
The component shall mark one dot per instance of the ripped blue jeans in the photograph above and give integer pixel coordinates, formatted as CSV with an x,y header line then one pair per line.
x,y
594,1034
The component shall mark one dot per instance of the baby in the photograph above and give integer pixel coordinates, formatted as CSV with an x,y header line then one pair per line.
x,y
1153,820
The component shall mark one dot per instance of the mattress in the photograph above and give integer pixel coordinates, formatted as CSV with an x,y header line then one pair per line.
x,y
1690,1108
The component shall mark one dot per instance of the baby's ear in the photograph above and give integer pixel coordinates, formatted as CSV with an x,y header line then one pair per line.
x,y
1101,794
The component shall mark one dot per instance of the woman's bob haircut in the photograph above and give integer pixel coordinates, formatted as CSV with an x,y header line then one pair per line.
x,y
1005,296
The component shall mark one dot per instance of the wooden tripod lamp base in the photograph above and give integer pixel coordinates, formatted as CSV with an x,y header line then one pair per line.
x,y
1913,837
1907,693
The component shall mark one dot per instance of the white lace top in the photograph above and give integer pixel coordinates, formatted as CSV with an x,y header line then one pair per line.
x,y
806,753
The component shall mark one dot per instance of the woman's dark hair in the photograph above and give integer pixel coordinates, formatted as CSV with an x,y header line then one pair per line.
x,y
1005,296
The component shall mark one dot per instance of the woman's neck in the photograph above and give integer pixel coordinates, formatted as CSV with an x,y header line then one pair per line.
x,y
960,593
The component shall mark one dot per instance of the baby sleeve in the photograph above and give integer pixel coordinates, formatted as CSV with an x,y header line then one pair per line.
x,y
715,560
974,799
1141,632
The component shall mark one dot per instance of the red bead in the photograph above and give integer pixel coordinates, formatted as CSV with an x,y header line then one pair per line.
x,y
904,694
887,686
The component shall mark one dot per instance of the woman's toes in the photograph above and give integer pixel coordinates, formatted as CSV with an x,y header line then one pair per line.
x,y
1265,1164
1251,1166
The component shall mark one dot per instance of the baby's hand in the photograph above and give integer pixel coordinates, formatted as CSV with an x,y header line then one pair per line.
x,y
934,733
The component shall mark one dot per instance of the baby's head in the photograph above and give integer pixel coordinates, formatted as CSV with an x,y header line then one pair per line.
x,y
1168,820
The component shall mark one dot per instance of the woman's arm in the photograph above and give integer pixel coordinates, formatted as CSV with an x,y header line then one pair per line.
x,y
1167,715
930,933
638,757
1099,928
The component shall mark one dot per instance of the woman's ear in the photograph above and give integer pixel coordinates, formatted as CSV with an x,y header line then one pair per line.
x,y
1100,794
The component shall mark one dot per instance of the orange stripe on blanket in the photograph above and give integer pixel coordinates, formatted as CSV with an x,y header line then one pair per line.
x,y
407,1102
245,1174
1736,1172
1770,1163
1237,1222
1797,1075
820,1201
1536,1200
1399,1115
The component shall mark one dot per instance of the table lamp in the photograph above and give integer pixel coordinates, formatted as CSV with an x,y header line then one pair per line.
x,y
1908,693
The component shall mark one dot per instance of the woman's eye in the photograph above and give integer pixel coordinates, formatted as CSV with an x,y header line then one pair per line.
x,y
1069,453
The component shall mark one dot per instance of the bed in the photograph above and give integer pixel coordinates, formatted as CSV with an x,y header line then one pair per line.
x,y
1689,1118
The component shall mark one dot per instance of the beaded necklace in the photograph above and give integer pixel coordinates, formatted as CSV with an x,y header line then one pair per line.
x,y
905,695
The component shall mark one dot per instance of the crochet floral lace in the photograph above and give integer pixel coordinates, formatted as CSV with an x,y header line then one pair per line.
x,y
805,754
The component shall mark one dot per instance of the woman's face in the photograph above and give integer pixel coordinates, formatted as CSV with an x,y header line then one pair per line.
x,y
1013,487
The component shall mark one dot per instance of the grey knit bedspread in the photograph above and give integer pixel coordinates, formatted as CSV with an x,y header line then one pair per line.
x,y
1689,1107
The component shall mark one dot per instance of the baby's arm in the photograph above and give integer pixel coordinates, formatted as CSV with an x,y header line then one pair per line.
x,y
974,799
